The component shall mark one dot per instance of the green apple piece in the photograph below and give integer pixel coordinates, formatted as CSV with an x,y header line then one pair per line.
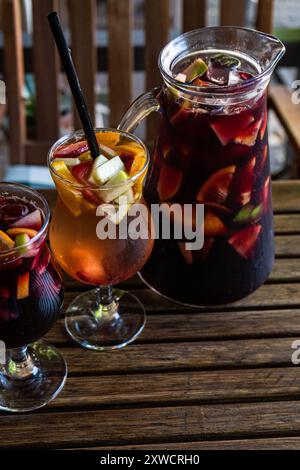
x,y
97,162
118,185
106,171
69,161
195,69
20,240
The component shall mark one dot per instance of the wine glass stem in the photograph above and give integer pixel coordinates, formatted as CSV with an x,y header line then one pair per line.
x,y
19,364
106,306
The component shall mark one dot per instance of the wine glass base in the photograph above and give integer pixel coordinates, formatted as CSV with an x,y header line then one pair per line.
x,y
94,328
33,392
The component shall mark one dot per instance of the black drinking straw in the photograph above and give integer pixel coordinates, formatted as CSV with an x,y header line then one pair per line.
x,y
65,56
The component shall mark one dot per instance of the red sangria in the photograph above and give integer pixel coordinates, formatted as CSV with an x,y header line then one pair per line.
x,y
212,149
31,295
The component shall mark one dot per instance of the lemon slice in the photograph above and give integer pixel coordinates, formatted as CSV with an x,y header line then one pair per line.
x,y
72,198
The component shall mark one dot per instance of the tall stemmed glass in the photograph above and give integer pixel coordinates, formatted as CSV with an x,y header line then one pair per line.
x,y
106,317
31,295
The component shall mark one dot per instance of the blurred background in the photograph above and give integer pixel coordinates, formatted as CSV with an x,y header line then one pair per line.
x,y
115,44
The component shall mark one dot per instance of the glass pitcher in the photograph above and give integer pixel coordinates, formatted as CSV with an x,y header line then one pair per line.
x,y
212,149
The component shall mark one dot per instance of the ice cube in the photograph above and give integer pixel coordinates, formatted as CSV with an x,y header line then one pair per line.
x,y
219,68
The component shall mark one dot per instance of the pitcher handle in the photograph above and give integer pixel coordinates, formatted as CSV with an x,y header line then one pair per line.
x,y
139,110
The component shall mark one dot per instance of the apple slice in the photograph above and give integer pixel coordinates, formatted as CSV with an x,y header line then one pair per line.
x,y
196,69
243,183
108,170
249,135
244,241
181,77
70,162
216,188
119,185
23,286
248,214
100,160
82,172
71,150
170,179
21,240
33,221
228,127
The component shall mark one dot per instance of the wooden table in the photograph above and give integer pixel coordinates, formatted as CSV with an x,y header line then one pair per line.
x,y
217,378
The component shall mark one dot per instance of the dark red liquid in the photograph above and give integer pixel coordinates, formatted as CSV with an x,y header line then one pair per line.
x,y
220,159
28,319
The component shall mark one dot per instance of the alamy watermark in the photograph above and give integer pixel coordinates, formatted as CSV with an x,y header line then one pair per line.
x,y
2,92
296,94
163,221
2,352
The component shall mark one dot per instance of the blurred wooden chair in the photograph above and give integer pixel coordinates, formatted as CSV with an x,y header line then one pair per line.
x,y
120,62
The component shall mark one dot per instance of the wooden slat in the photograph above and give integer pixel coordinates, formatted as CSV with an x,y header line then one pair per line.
x,y
287,111
46,73
208,386
286,223
287,245
120,57
286,196
285,270
202,355
158,424
157,23
194,14
203,326
83,29
14,77
264,20
267,296
281,443
232,12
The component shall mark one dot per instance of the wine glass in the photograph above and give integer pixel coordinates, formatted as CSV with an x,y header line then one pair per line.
x,y
31,295
105,317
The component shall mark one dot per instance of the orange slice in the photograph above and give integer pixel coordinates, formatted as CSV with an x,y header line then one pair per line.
x,y
109,138
216,188
213,225
23,286
13,232
63,171
134,148
5,241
